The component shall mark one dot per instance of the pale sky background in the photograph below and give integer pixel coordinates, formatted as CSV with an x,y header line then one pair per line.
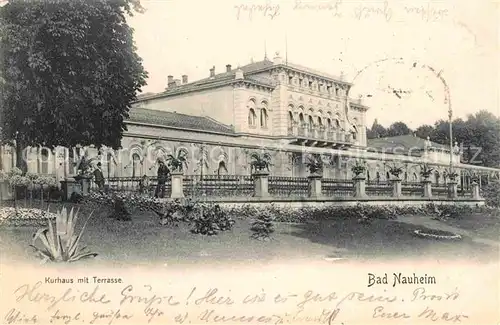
x,y
459,38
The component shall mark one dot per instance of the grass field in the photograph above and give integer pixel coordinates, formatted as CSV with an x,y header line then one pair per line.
x,y
143,241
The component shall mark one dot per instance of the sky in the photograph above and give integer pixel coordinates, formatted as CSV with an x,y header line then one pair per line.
x,y
403,57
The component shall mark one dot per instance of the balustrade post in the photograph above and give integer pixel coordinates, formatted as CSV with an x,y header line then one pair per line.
x,y
452,189
315,185
359,186
427,184
475,191
261,184
177,179
396,187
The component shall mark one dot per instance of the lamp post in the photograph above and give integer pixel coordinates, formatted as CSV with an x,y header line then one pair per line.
x,y
450,117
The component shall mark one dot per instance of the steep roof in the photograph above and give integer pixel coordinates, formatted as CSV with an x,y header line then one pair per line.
x,y
149,116
404,142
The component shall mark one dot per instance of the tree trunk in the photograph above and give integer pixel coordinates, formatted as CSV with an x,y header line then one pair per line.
x,y
20,161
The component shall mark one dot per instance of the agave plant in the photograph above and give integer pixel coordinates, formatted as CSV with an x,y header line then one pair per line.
x,y
426,171
358,169
314,164
395,170
260,161
60,244
178,161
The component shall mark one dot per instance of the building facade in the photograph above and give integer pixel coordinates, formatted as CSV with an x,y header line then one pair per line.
x,y
274,106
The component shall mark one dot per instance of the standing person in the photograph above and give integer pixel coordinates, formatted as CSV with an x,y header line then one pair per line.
x,y
99,177
163,173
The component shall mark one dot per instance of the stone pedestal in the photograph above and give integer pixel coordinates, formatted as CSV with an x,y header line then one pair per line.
x,y
68,186
6,192
452,189
315,185
475,191
359,186
86,181
261,184
396,187
426,183
177,185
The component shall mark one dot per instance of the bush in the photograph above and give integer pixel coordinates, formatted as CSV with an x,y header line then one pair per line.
x,y
210,220
491,193
262,227
24,217
76,198
120,211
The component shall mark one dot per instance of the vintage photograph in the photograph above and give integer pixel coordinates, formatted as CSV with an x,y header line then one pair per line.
x,y
190,135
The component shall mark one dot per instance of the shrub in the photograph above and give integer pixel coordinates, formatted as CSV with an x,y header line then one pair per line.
x,y
262,227
120,211
76,198
24,217
210,220
59,242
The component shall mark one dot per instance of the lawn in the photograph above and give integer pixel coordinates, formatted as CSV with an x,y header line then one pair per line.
x,y
143,241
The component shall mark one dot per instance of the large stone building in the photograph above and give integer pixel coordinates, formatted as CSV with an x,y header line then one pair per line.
x,y
282,108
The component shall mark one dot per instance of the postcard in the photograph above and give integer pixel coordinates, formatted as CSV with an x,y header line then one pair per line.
x,y
249,162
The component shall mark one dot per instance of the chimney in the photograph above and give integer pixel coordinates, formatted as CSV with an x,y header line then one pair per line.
x,y
228,68
212,72
184,79
170,81
177,82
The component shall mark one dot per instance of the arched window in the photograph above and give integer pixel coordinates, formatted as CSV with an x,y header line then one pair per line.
x,y
337,124
252,117
301,119
290,119
329,123
406,177
263,118
368,176
311,122
415,178
354,133
44,161
387,176
438,176
136,165
320,122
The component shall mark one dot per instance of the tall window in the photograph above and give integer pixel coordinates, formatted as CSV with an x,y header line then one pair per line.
x,y
290,119
252,117
355,133
320,122
311,122
329,123
136,165
263,118
301,119
44,161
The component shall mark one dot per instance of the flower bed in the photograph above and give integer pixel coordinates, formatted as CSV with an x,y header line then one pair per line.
x,y
436,234
24,216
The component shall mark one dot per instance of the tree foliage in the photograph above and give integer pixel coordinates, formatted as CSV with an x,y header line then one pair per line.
x,y
398,128
478,136
69,71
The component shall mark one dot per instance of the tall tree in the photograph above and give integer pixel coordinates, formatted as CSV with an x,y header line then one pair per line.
x,y
70,71
424,131
376,131
398,128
